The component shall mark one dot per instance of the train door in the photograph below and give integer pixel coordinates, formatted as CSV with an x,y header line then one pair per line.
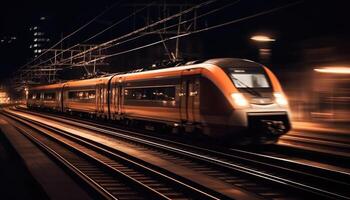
x,y
100,99
189,96
119,97
65,98
105,100
113,100
59,99
183,99
119,100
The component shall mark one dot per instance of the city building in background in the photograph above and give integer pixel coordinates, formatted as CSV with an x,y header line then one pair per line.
x,y
40,36
7,40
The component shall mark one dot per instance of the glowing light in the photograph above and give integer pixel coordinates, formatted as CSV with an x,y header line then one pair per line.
x,y
4,98
280,99
262,38
334,70
239,99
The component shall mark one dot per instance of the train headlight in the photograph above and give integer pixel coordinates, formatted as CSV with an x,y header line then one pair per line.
x,y
280,99
239,99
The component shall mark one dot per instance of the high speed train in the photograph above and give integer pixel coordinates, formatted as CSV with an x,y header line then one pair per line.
x,y
230,98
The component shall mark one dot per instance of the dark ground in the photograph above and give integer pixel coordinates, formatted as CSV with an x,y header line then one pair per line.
x,y
15,180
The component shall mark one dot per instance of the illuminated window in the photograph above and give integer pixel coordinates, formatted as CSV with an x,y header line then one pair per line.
x,y
49,96
82,95
34,96
152,93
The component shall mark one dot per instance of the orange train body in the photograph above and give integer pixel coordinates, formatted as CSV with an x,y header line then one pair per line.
x,y
221,98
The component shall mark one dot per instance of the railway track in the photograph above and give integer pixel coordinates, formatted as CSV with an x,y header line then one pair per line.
x,y
302,154
267,176
339,147
107,174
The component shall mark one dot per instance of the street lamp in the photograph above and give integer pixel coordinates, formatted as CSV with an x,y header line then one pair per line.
x,y
262,38
263,43
334,70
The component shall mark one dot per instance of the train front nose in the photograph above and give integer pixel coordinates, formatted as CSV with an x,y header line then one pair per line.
x,y
274,127
267,124
265,117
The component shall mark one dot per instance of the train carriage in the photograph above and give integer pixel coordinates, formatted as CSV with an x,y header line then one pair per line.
x,y
86,96
221,98
46,97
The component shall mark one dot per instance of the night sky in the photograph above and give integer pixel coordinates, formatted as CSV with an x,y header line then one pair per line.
x,y
310,24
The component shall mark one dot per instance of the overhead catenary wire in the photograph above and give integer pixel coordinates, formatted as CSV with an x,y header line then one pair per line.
x,y
164,28
168,27
95,35
145,27
182,22
72,33
131,33
119,22
190,33
199,31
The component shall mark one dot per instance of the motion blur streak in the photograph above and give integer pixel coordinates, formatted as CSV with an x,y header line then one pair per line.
x,y
334,70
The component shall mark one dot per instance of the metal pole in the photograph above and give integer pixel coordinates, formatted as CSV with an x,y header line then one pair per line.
x,y
178,39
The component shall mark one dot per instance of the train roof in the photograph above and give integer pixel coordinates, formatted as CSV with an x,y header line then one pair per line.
x,y
48,87
220,62
72,83
87,82
232,62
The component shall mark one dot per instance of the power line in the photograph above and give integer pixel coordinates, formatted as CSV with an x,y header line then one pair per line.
x,y
171,26
181,23
199,31
71,34
134,32
146,27
118,22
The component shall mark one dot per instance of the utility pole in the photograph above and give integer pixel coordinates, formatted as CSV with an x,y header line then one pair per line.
x,y
178,39
164,10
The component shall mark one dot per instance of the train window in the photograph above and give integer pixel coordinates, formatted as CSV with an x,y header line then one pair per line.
x,y
35,96
91,94
49,96
87,95
152,93
244,80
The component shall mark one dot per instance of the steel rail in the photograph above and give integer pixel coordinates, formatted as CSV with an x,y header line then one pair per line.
x,y
232,166
192,190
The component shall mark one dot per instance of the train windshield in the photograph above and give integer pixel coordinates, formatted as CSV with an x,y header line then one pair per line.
x,y
249,79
